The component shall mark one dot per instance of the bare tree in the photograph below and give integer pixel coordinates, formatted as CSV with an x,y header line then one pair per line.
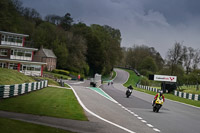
x,y
175,56
188,56
55,19
196,59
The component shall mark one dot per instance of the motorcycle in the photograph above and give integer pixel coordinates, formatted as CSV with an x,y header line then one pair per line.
x,y
128,93
158,104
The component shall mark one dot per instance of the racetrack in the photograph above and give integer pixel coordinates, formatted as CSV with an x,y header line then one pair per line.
x,y
173,117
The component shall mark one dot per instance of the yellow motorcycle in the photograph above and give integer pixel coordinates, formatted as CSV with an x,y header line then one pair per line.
x,y
158,104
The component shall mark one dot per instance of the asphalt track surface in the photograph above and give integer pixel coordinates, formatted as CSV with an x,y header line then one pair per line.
x,y
173,117
128,115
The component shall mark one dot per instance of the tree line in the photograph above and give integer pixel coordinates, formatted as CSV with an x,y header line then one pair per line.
x,y
94,49
181,61
79,48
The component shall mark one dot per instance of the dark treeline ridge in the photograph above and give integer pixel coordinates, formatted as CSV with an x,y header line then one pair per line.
x,y
95,49
79,48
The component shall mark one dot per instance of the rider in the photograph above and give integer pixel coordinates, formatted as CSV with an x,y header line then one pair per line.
x,y
160,94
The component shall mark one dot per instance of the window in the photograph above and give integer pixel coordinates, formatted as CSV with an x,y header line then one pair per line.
x,y
20,53
12,52
2,37
2,65
3,52
28,54
13,66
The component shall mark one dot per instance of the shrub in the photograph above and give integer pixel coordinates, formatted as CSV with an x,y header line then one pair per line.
x,y
64,72
145,81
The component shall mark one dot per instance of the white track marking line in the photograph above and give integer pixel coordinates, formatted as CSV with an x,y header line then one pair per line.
x,y
123,128
140,118
144,121
149,125
155,129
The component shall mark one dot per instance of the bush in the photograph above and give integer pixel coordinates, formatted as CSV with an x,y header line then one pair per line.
x,y
64,72
145,81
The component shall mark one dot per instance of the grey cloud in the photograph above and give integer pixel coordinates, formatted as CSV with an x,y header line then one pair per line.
x,y
156,23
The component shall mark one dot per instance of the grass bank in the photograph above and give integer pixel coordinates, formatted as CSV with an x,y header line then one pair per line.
x,y
55,102
133,79
190,89
9,77
15,126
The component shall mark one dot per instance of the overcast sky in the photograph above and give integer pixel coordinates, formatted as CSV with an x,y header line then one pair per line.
x,y
155,23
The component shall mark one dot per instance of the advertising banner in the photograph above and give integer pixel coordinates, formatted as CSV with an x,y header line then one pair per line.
x,y
165,78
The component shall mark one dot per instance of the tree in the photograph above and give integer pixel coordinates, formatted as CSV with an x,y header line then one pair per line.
x,y
175,57
55,19
66,22
135,57
196,59
148,64
188,56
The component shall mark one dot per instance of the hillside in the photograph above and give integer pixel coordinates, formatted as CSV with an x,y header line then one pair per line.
x,y
9,77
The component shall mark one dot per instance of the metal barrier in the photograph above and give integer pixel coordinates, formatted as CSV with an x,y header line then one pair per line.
x,y
7,91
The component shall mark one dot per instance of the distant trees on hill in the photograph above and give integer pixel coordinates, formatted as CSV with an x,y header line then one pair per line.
x,y
78,47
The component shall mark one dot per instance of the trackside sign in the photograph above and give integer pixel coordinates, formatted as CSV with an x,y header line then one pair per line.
x,y
165,78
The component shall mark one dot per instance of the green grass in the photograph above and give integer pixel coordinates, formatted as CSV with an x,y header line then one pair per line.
x,y
55,102
114,74
133,79
10,77
15,126
58,75
190,89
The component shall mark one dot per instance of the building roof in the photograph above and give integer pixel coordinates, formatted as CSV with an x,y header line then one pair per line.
x,y
17,47
22,61
49,53
16,34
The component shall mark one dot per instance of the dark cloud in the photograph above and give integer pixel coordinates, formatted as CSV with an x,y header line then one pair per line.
x,y
156,23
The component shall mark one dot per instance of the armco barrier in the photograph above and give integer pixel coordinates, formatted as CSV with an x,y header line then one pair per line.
x,y
190,96
176,93
7,91
147,88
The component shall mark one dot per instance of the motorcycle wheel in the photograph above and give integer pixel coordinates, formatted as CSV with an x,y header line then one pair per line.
x,y
158,108
154,109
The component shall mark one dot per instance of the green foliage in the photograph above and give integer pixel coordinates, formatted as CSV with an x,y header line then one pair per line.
x,y
146,72
13,126
79,48
61,71
143,58
133,78
148,64
145,81
47,102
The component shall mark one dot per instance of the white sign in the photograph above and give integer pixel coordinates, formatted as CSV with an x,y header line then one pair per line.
x,y
165,78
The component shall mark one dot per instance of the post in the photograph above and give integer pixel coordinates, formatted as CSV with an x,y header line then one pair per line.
x,y
197,82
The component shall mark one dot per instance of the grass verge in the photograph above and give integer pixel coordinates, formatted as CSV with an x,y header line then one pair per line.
x,y
58,75
50,101
133,79
10,77
15,126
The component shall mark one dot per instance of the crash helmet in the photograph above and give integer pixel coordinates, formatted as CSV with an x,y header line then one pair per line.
x,y
161,92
